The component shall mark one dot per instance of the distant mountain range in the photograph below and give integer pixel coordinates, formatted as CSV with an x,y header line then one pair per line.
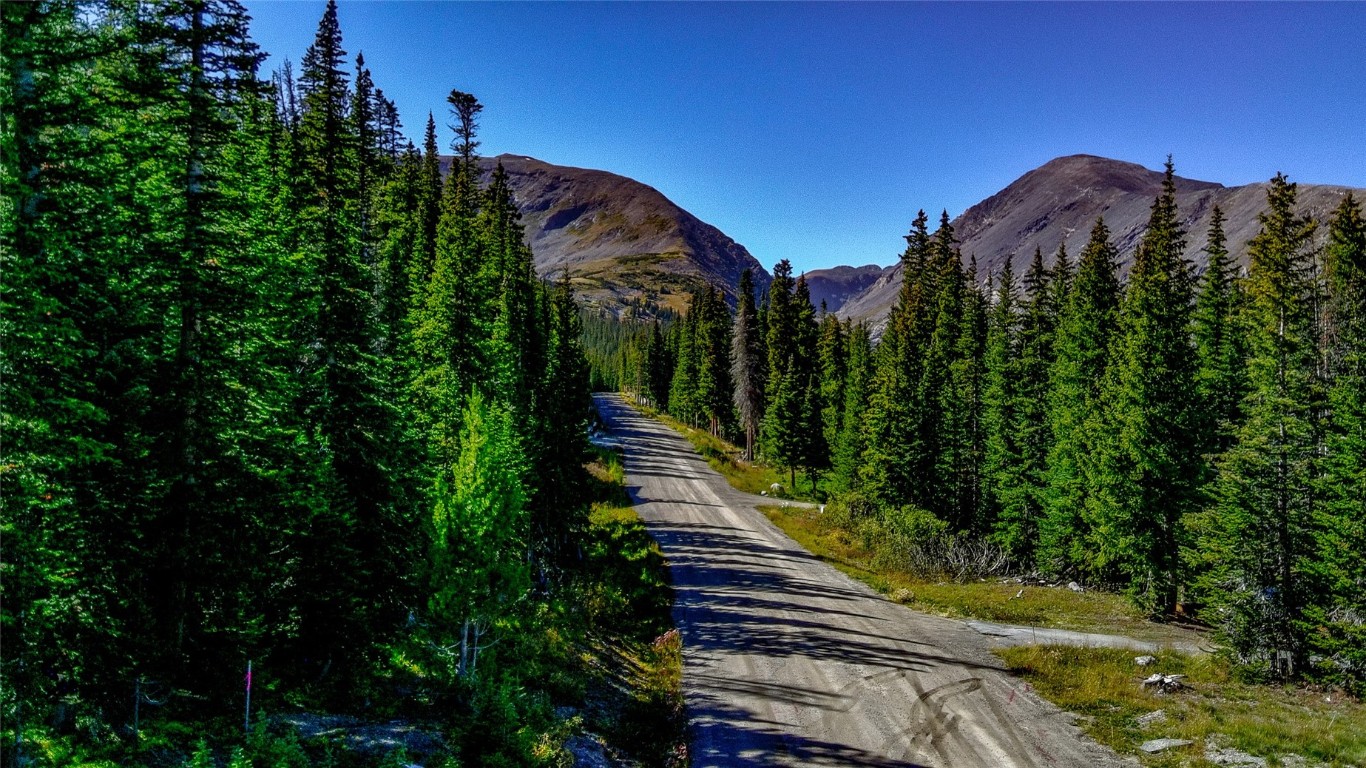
x,y
1060,201
623,242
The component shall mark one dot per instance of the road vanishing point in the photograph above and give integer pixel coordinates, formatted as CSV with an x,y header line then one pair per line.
x,y
788,662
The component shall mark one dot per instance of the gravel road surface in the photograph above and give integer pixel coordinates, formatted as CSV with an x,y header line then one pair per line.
x,y
789,662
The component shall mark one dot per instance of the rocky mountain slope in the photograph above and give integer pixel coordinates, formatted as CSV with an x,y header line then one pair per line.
x,y
621,241
835,286
1060,201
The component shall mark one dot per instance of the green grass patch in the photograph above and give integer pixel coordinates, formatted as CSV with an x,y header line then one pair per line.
x,y
1102,685
989,600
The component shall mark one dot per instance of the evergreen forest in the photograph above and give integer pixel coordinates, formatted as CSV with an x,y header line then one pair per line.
x,y
290,422
292,428
1195,441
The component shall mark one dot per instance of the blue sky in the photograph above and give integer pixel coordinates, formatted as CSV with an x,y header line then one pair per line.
x,y
815,131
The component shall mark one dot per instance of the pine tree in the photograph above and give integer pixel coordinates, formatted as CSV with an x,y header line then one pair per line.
x,y
683,383
1151,459
780,324
1268,509
513,348
812,451
449,337
1221,379
429,206
962,460
477,568
832,349
1021,481
1344,549
780,321
53,240
1081,350
897,461
849,446
712,346
747,367
783,423
351,424
1000,402
397,230
942,417
564,407
660,366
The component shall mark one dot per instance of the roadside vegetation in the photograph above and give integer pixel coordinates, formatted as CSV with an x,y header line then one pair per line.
x,y
979,588
1218,709
1220,713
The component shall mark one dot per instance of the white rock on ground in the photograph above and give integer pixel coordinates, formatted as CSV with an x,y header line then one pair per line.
x,y
1233,757
1158,745
1156,716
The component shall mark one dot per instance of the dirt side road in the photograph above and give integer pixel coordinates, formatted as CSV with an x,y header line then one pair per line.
x,y
789,662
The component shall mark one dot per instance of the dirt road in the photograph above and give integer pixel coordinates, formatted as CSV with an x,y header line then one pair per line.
x,y
789,662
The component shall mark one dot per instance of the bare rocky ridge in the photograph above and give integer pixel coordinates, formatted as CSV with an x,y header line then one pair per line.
x,y
1060,201
620,240
837,285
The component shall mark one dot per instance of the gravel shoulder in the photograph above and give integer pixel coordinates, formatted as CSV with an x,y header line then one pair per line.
x,y
787,661
1003,635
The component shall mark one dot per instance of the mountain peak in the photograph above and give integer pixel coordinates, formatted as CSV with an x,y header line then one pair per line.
x,y
1058,203
1094,172
622,242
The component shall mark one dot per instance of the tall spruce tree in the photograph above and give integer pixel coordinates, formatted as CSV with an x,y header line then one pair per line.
x,y
660,366
1021,482
896,460
780,319
1081,351
350,422
964,439
1344,481
832,350
940,432
1221,378
1268,513
813,452
847,452
1151,461
747,367
683,383
429,194
1000,402
564,407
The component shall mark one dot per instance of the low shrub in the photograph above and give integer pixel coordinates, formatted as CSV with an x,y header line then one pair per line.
x,y
912,540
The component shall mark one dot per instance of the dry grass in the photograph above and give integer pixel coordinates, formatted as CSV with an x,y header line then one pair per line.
x,y
1102,685
990,600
